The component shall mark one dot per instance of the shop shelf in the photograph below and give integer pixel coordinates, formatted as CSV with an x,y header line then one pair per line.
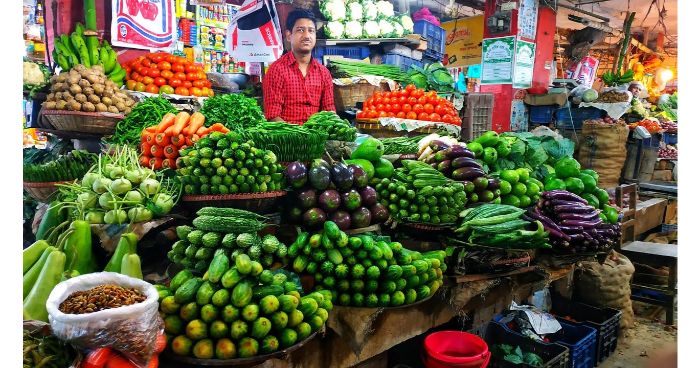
x,y
435,36
350,52
553,355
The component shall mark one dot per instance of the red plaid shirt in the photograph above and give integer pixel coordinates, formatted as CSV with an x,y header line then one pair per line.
x,y
290,96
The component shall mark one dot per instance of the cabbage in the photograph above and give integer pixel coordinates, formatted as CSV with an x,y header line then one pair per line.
x,y
334,30
369,10
353,29
386,29
385,8
370,29
589,96
354,11
333,10
407,23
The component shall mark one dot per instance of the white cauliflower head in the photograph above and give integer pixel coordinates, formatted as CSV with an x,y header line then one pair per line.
x,y
407,23
385,8
354,11
353,29
334,30
398,28
370,29
333,10
32,74
386,29
370,10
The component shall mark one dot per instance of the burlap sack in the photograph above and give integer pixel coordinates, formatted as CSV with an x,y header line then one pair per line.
x,y
602,147
607,285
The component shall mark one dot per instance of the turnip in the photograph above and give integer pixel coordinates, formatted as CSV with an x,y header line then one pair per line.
x,y
87,200
115,217
162,203
120,186
101,185
116,172
135,176
150,186
133,197
89,179
107,201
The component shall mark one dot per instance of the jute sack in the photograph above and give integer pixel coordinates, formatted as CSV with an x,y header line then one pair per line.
x,y
602,147
607,285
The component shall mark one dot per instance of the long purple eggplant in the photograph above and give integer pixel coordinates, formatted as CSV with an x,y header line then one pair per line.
x,y
563,195
561,202
571,229
578,216
438,145
573,209
444,167
465,162
548,224
584,224
456,151
467,173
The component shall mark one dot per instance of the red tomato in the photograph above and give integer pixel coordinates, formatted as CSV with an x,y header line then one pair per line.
x,y
177,68
181,76
394,100
167,74
410,87
152,88
423,116
391,114
401,115
207,83
190,68
395,108
376,95
373,115
394,93
360,115
207,92
175,83
406,108
130,84
412,101
127,69
386,100
403,93
411,115
422,100
182,91
157,58
141,69
435,117
382,114
153,72
415,93
160,81
170,58
369,102
164,65
187,84
140,87
145,62
402,100
135,76
198,83
386,94
167,89
147,80
441,110
433,100
418,108
429,108
192,76
380,107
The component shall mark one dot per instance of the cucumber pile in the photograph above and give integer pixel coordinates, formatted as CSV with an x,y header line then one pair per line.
x,y
238,309
362,271
337,129
228,231
227,164
420,194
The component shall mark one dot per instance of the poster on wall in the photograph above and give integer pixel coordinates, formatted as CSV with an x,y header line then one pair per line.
x,y
524,64
145,24
527,19
497,60
518,116
255,34
584,71
462,39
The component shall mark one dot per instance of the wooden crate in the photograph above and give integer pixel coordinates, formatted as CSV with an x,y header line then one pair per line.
x,y
477,115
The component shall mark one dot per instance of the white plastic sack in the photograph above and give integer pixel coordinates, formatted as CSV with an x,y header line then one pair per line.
x,y
131,329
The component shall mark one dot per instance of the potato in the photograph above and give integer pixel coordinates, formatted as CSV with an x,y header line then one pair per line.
x,y
113,109
50,105
61,105
50,97
127,111
107,101
75,89
108,93
99,88
62,77
95,99
87,91
129,102
74,105
120,106
88,106
74,79
93,78
100,107
84,83
79,68
68,97
81,98
56,96
58,87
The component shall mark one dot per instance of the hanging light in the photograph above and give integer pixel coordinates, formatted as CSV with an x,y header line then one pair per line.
x,y
665,75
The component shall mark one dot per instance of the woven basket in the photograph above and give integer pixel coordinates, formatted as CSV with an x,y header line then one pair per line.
x,y
85,122
350,95
42,192
377,130
261,203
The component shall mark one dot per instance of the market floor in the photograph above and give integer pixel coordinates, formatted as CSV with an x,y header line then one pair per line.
x,y
641,342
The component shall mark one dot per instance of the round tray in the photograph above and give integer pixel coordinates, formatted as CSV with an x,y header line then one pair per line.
x,y
102,123
239,362
262,203
42,191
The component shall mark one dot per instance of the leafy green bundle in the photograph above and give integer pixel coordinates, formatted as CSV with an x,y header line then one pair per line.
x,y
233,110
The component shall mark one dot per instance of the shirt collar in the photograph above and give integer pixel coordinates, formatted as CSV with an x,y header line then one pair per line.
x,y
292,61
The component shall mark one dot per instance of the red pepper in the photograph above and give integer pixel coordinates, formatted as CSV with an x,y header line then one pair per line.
x,y
97,358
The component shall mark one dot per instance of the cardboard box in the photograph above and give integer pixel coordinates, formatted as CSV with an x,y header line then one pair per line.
x,y
548,99
662,175
649,214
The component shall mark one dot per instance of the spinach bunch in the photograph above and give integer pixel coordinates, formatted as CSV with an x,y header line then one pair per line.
x,y
233,110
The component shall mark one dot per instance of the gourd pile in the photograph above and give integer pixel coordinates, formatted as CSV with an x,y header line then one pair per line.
x,y
365,272
87,89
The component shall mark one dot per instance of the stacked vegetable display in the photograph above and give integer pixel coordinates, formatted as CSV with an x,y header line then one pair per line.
x,y
419,193
573,225
79,49
238,310
365,272
35,77
336,192
518,189
72,165
87,89
503,226
165,73
411,103
329,122
225,231
363,19
288,142
569,176
226,164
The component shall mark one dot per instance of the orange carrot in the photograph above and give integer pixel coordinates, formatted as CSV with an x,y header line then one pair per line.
x,y
168,163
170,130
151,129
202,131
196,121
161,139
168,121
155,163
145,158
145,147
150,138
178,140
180,122
218,127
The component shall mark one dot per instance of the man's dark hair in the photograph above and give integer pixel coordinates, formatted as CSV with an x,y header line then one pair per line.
x,y
297,14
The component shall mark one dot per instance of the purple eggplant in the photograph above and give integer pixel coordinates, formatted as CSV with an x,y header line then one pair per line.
x,y
563,195
559,202
444,167
458,151
578,216
467,173
438,145
573,209
465,162
494,183
571,229
578,237
434,165
584,224
296,174
441,156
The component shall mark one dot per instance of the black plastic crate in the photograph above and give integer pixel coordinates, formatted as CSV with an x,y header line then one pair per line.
x,y
606,321
554,355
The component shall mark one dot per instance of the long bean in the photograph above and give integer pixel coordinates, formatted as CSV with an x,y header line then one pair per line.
x,y
147,113
345,69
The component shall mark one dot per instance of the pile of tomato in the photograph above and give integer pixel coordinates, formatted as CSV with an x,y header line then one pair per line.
x,y
165,73
410,103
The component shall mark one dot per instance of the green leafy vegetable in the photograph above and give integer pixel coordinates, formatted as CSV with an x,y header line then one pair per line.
x,y
233,110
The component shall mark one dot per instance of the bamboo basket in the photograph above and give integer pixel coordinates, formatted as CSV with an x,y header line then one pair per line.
x,y
102,123
349,95
262,203
377,130
42,192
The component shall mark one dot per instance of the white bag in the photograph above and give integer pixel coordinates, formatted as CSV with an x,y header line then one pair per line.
x,y
131,329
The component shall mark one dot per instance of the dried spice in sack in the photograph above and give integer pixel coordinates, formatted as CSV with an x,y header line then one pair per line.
x,y
100,298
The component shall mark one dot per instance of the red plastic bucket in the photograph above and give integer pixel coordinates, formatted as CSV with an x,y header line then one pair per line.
x,y
451,349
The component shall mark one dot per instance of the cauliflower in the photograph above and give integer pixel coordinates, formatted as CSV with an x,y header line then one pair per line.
x,y
385,8
353,29
386,29
370,10
334,30
354,11
333,10
370,29
32,74
398,28
407,23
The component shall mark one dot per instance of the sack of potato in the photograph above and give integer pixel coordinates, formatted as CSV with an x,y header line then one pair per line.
x,y
87,89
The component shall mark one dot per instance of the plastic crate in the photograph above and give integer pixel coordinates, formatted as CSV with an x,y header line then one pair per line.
x,y
670,138
401,61
477,115
581,341
350,52
435,36
606,322
554,355
578,116
542,114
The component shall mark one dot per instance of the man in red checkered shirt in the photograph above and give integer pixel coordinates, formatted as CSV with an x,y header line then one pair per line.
x,y
297,86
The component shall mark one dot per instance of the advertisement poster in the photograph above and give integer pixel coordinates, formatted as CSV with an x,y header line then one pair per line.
x,y
518,116
585,71
527,19
497,60
144,24
255,34
524,64
462,39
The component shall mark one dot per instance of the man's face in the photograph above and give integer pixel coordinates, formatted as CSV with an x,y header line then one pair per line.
x,y
303,36
635,91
